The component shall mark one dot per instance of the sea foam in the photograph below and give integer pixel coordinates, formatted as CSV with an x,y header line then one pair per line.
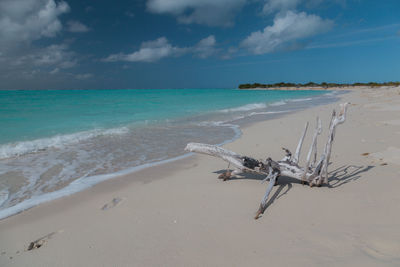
x,y
3,196
59,141
300,99
278,103
245,107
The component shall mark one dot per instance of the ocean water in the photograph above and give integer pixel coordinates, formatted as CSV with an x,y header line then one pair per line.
x,y
57,142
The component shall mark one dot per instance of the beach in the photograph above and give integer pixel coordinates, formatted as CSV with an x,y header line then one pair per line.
x,y
55,143
180,214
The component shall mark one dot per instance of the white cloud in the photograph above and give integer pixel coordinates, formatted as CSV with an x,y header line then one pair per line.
x,y
54,71
279,5
160,48
34,61
285,31
149,52
205,47
207,12
53,55
229,53
21,23
76,26
28,20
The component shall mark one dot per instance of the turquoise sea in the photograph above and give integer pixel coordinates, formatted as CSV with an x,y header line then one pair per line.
x,y
57,142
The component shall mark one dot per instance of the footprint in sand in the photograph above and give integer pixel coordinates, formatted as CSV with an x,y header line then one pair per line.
x,y
114,202
382,249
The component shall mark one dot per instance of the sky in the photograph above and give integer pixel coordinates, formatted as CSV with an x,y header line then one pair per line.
x,y
98,44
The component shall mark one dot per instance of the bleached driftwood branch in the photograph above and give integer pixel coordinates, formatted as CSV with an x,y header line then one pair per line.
x,y
313,173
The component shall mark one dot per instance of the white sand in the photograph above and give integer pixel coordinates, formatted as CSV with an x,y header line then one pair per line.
x,y
180,214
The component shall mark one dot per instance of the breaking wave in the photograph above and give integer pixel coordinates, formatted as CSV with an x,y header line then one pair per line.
x,y
245,107
59,141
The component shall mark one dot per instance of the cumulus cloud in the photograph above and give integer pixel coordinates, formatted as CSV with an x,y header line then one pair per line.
x,y
54,56
36,61
54,71
160,48
206,12
285,31
24,61
28,20
149,52
76,26
205,47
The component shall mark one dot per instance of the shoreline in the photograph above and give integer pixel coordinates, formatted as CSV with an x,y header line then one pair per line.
x,y
326,88
317,88
180,213
83,183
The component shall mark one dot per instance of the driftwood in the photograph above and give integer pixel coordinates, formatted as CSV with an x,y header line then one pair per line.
x,y
313,173
40,242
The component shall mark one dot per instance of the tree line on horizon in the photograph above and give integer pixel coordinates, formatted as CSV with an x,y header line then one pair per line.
x,y
312,84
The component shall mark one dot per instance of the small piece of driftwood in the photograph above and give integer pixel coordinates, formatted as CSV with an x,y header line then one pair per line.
x,y
313,173
40,242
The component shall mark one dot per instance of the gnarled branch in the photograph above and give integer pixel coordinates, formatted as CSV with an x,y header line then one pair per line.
x,y
313,173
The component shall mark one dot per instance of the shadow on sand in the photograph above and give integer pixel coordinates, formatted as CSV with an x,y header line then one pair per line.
x,y
346,174
337,177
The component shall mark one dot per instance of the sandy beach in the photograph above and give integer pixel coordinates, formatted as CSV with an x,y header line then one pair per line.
x,y
180,214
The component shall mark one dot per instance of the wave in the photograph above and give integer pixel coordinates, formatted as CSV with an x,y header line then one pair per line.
x,y
245,108
300,99
278,103
332,93
87,181
227,123
3,196
255,106
268,112
59,141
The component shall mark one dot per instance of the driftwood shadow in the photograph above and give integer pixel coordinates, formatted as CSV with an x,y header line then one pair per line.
x,y
283,182
346,174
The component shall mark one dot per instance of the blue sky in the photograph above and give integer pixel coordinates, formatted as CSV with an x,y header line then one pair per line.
x,y
96,44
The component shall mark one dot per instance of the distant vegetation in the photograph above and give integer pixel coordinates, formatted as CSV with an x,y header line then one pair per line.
x,y
312,84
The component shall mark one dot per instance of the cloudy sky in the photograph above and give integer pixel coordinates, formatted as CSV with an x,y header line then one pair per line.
x,y
98,44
